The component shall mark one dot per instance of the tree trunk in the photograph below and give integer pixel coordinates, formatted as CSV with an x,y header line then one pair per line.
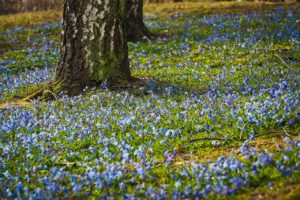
x,y
136,29
94,45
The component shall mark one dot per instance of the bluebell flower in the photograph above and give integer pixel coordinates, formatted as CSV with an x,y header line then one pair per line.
x,y
19,187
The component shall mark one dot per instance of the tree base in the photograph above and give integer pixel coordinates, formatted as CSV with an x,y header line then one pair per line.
x,y
138,32
53,90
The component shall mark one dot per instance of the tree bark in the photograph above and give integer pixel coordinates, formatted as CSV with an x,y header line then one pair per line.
x,y
94,45
136,29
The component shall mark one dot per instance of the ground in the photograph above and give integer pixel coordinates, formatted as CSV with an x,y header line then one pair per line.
x,y
218,118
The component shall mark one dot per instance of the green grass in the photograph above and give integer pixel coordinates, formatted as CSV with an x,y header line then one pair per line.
x,y
182,60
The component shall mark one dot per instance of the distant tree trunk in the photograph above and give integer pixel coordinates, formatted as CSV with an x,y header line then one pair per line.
x,y
136,28
94,45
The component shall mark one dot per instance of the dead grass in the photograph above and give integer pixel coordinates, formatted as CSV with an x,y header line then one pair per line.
x,y
29,19
162,9
205,153
155,9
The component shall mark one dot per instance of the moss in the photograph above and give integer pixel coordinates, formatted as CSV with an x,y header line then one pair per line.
x,y
109,68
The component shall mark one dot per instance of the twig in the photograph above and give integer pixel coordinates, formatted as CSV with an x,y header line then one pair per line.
x,y
286,133
243,130
219,139
283,62
268,133
241,139
255,45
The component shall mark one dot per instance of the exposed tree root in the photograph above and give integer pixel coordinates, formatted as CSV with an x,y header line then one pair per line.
x,y
36,94
53,89
43,93
18,103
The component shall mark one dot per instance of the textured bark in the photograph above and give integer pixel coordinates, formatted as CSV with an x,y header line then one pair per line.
x,y
136,29
94,45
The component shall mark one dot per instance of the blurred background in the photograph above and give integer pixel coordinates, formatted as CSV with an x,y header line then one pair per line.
x,y
14,6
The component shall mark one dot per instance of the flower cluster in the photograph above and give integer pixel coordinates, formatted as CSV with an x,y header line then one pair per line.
x,y
217,77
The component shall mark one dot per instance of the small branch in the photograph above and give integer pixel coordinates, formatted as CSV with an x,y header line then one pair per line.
x,y
283,62
289,134
255,45
243,130
219,139
241,139
268,133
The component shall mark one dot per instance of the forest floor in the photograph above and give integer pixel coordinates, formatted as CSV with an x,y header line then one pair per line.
x,y
219,117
